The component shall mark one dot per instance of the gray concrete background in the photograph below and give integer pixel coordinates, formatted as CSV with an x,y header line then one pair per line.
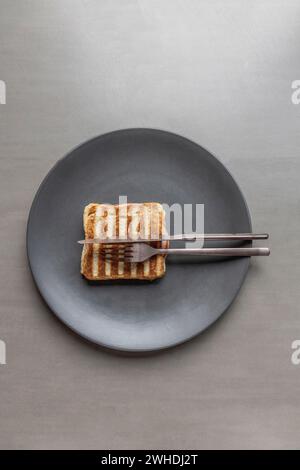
x,y
219,73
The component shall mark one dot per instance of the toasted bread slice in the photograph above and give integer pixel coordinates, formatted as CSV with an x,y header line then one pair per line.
x,y
145,220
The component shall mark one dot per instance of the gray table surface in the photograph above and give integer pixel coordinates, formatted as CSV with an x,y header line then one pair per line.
x,y
219,73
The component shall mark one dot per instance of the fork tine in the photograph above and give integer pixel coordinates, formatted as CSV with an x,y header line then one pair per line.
x,y
113,258
116,250
122,257
121,250
115,246
116,254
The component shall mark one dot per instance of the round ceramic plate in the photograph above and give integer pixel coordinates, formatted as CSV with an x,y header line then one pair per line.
x,y
146,165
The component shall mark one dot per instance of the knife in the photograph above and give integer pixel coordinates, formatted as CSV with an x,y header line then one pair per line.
x,y
183,237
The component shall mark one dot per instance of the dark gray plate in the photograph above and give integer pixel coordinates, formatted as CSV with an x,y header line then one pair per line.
x,y
145,165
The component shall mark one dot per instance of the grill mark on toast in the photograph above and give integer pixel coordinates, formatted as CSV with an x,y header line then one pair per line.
x,y
110,266
132,233
121,233
145,234
123,222
96,246
159,257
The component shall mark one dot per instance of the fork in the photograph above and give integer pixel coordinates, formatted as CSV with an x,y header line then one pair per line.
x,y
138,252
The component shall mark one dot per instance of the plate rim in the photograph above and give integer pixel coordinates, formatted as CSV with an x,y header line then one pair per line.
x,y
30,215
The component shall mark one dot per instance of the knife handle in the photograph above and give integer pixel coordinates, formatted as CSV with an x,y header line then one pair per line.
x,y
218,236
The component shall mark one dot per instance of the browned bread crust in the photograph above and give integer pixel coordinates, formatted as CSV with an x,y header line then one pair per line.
x,y
100,220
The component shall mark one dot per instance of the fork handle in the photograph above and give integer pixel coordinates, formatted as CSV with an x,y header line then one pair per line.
x,y
215,251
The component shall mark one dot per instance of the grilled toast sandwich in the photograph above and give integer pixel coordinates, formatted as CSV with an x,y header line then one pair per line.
x,y
143,220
